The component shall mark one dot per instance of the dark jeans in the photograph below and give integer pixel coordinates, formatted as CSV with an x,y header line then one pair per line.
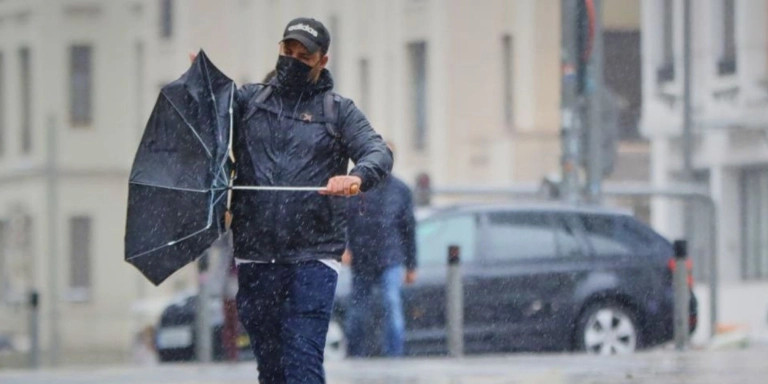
x,y
390,282
286,309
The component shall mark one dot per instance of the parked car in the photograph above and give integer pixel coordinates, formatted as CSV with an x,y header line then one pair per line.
x,y
540,278
176,331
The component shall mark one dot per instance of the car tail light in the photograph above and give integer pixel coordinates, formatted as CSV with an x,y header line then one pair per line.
x,y
672,264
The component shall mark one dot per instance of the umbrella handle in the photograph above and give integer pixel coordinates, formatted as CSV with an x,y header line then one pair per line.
x,y
354,189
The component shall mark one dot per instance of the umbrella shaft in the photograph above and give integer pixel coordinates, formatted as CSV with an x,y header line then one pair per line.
x,y
271,188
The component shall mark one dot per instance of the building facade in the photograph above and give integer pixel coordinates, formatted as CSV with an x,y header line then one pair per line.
x,y
729,154
468,92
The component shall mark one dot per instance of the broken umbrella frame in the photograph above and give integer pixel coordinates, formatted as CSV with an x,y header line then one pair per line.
x,y
182,177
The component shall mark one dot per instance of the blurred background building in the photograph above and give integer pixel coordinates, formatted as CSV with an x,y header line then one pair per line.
x,y
729,113
468,91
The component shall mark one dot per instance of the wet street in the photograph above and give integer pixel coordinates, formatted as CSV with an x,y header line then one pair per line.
x,y
658,367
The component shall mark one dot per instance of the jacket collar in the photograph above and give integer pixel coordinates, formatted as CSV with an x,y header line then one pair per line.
x,y
323,84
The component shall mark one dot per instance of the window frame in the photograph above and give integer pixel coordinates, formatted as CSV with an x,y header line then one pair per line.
x,y
665,71
26,96
3,111
727,44
165,16
417,86
81,71
77,292
508,80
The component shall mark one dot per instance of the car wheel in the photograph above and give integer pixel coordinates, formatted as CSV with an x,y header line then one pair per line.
x,y
608,329
335,342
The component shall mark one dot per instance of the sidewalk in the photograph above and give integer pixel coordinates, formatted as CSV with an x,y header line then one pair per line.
x,y
742,366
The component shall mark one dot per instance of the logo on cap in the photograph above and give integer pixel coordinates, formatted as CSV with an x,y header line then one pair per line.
x,y
303,27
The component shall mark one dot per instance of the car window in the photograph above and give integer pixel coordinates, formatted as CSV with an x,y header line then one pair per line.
x,y
519,235
569,244
607,236
641,238
434,236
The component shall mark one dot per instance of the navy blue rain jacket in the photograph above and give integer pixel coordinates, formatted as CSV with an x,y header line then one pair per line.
x,y
274,148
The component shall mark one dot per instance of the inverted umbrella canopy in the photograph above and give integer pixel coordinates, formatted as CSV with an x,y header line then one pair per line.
x,y
179,181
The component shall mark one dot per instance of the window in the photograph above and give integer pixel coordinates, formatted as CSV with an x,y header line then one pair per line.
x,y
26,99
4,278
433,237
666,71
166,18
2,104
519,235
80,85
507,80
79,257
17,255
140,79
417,57
569,244
623,81
726,65
365,85
617,236
754,190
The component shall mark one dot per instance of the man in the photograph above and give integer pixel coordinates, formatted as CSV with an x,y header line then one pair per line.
x,y
288,244
382,248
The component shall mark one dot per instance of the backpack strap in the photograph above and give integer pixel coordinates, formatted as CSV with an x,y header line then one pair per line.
x,y
331,114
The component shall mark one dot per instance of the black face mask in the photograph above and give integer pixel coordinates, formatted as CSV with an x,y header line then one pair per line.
x,y
292,73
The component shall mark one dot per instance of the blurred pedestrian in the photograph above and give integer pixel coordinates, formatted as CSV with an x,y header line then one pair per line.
x,y
293,131
381,248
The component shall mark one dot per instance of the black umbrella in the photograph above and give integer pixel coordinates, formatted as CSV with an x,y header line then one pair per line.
x,y
179,181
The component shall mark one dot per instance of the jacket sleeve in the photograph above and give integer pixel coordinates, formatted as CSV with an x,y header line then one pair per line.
x,y
366,148
408,229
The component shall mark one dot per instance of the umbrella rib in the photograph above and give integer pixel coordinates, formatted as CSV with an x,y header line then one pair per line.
x,y
200,139
170,243
207,74
167,187
223,171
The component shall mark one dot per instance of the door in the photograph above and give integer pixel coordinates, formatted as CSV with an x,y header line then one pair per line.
x,y
531,263
424,301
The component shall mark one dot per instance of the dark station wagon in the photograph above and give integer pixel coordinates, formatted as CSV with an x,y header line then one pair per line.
x,y
539,278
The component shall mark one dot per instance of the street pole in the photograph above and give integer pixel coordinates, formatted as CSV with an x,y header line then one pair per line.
x,y
34,329
53,220
682,299
204,339
454,296
688,174
570,113
595,159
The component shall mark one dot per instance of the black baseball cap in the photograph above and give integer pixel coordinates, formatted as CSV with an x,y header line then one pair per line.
x,y
309,32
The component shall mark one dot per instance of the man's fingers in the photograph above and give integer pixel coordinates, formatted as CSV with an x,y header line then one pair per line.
x,y
342,186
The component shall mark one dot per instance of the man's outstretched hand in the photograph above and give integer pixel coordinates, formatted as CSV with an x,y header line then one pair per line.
x,y
342,186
